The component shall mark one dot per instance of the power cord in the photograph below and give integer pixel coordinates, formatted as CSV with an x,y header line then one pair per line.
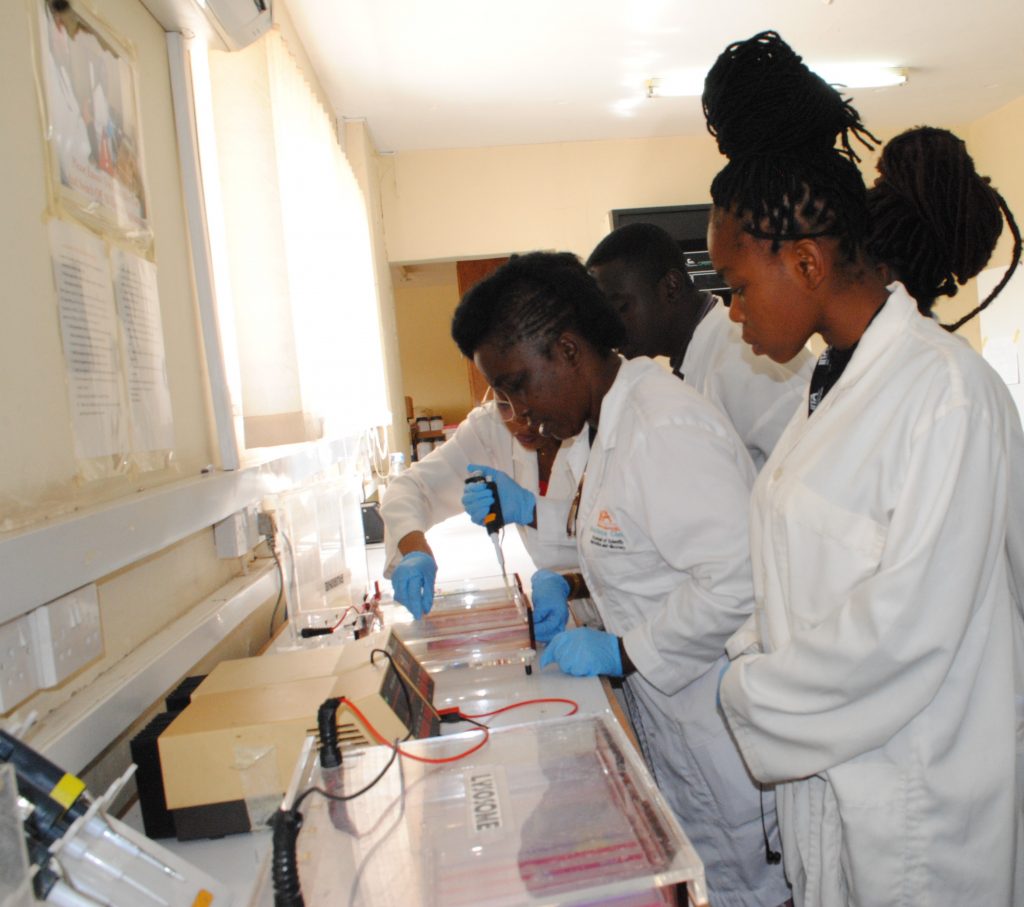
x,y
272,545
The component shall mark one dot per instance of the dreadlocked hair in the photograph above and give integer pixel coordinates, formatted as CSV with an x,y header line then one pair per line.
x,y
934,220
778,123
536,297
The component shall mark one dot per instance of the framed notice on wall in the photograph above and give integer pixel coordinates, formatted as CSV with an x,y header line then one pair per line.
x,y
92,130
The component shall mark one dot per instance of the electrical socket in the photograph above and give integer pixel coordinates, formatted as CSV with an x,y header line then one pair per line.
x,y
236,535
66,634
18,679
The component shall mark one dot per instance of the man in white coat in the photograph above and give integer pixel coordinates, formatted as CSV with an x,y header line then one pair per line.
x,y
431,490
659,520
642,272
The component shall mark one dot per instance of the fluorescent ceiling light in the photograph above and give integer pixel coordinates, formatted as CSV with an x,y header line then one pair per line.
x,y
686,83
861,75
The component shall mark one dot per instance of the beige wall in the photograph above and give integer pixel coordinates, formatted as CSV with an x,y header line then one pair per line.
x,y
482,202
476,202
996,143
38,478
433,369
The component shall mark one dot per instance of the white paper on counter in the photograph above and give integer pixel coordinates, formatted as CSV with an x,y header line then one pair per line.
x,y
88,324
149,394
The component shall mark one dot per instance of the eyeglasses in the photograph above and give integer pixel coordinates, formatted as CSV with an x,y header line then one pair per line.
x,y
574,508
506,410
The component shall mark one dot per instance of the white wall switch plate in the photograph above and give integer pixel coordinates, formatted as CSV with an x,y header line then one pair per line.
x,y
66,634
238,534
18,679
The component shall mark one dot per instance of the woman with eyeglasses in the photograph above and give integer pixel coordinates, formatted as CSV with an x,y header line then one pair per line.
x,y
659,519
432,490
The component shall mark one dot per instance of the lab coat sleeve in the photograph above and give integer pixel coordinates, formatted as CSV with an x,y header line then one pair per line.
x,y
693,498
1015,516
774,394
431,490
745,640
759,396
846,685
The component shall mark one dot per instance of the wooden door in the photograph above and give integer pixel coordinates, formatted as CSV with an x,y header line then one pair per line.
x,y
470,273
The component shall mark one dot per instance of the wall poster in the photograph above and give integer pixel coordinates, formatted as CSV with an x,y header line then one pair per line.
x,y
91,123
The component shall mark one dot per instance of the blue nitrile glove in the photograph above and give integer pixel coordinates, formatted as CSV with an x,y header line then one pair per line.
x,y
413,582
584,652
517,504
550,594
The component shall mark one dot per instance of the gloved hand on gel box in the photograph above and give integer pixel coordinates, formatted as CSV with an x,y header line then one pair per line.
x,y
550,594
517,504
413,582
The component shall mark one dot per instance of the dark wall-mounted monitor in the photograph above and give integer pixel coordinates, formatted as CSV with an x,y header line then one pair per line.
x,y
688,226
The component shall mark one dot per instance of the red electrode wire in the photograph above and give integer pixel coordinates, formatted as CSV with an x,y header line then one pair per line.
x,y
382,740
575,707
344,614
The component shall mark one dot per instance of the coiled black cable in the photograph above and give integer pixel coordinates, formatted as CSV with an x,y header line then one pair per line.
x,y
327,727
284,863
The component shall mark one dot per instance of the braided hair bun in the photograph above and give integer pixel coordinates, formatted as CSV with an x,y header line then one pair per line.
x,y
760,98
935,220
778,122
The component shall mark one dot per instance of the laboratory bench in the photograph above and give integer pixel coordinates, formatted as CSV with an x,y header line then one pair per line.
x,y
242,861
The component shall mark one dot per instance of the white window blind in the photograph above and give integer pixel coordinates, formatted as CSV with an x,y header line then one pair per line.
x,y
295,286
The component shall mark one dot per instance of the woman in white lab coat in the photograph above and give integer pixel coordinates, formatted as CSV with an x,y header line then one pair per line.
x,y
432,490
876,686
659,519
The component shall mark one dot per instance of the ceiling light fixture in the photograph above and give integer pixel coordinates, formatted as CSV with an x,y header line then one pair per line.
x,y
690,82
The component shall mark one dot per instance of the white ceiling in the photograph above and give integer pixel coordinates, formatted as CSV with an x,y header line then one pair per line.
x,y
467,73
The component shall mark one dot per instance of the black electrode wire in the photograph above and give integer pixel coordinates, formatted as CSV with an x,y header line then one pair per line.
x,y
466,718
357,876
341,798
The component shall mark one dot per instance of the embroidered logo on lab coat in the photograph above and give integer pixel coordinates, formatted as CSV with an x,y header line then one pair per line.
x,y
607,534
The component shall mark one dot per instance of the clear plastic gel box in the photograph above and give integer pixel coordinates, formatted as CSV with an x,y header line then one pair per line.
x,y
472,624
554,812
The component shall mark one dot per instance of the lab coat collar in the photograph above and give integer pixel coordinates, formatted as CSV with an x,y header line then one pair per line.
x,y
630,372
891,322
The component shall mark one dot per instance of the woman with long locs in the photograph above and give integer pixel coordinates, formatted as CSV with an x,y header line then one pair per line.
x,y
879,685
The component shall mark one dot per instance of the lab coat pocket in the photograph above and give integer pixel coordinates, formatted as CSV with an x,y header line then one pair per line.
x,y
873,833
735,793
831,549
